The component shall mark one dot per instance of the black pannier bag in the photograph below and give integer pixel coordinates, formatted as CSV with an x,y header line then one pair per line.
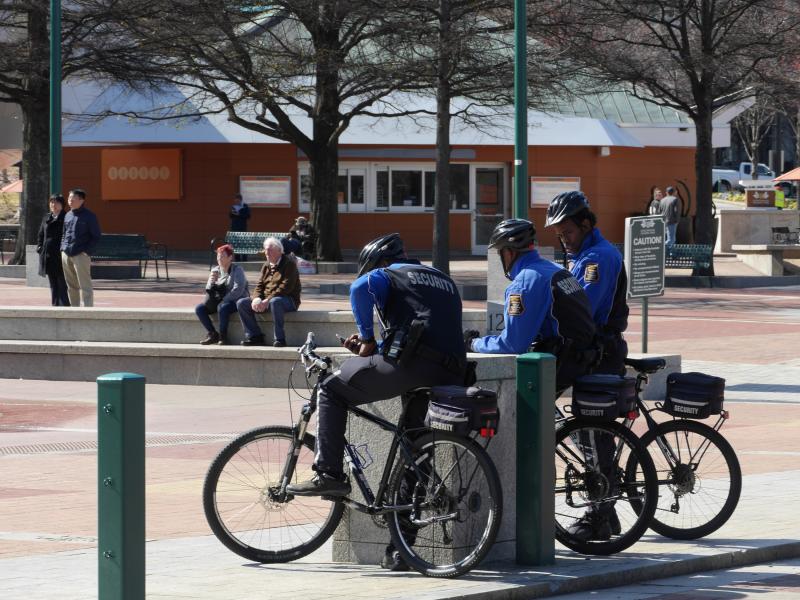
x,y
462,410
694,395
603,397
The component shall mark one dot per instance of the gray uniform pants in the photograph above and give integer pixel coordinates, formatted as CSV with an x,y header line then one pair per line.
x,y
362,380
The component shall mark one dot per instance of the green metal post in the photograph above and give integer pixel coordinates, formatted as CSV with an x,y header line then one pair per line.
x,y
536,395
520,110
120,496
644,325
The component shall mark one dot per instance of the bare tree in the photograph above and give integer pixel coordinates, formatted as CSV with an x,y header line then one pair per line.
x,y
266,68
25,81
685,54
462,56
753,125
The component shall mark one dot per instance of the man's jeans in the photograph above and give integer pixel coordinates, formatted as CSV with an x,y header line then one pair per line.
x,y
278,306
671,232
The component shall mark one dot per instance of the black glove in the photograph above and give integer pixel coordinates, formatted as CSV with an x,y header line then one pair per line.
x,y
469,335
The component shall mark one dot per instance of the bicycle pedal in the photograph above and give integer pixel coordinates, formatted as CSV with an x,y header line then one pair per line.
x,y
333,498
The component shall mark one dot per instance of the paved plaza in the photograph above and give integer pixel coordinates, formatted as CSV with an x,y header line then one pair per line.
x,y
48,522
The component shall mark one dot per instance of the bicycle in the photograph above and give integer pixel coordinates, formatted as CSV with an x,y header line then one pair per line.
x,y
439,493
699,476
605,478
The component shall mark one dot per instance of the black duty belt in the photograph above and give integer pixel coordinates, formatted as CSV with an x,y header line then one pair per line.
x,y
448,361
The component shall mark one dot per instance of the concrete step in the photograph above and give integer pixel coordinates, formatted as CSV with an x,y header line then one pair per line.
x,y
172,326
160,363
180,364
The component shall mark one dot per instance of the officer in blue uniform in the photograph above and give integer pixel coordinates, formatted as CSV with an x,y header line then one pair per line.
x,y
598,267
546,310
419,309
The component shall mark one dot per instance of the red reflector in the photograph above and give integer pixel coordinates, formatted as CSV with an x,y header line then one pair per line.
x,y
726,415
487,432
632,415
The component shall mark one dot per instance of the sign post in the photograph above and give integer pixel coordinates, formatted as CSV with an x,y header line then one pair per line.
x,y
644,261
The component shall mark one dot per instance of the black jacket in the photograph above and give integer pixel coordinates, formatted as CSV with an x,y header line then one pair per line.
x,y
48,244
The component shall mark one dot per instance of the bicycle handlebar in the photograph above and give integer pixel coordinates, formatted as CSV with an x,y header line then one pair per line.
x,y
310,359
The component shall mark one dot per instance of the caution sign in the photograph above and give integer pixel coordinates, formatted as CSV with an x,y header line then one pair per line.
x,y
644,255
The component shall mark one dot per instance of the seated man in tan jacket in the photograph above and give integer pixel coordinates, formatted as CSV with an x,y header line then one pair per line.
x,y
278,291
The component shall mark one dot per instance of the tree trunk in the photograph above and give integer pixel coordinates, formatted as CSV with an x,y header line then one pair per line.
x,y
441,217
324,170
704,223
35,137
324,158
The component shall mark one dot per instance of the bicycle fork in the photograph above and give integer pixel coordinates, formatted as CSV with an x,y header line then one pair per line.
x,y
300,429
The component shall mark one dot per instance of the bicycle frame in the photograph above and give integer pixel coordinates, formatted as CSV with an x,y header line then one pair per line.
x,y
399,441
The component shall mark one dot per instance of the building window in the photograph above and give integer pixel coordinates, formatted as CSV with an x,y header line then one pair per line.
x,y
459,187
407,188
349,189
393,187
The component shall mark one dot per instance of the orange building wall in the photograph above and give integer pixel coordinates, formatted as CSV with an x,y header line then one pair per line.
x,y
618,186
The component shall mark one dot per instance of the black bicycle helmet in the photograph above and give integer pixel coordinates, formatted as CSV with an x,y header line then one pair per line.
x,y
385,247
565,205
517,234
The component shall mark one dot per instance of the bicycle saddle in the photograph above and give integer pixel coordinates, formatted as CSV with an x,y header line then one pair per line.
x,y
646,365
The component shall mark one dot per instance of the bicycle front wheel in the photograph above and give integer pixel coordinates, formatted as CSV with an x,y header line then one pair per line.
x,y
244,506
700,479
457,502
601,507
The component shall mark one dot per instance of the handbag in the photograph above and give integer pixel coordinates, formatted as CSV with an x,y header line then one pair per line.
x,y
214,296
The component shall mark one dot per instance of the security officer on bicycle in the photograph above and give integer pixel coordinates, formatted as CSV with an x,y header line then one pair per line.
x,y
599,268
419,309
546,310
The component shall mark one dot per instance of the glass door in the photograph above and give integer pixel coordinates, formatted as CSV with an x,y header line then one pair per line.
x,y
489,205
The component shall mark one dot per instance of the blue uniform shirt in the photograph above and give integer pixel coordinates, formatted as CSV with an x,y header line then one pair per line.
x,y
527,312
407,290
597,267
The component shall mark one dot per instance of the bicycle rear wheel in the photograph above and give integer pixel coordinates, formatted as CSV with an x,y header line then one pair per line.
x,y
594,493
455,490
699,491
243,505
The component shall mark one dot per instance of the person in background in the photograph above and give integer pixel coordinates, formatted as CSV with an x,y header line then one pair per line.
x,y
301,240
654,208
81,235
670,210
278,291
48,245
227,284
780,197
239,215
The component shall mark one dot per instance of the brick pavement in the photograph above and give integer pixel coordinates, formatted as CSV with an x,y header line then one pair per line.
x,y
47,500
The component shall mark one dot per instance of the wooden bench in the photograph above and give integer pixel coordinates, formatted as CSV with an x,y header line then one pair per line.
x,y
131,246
765,258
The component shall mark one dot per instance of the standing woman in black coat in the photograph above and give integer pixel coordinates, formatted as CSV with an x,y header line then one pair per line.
x,y
49,249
